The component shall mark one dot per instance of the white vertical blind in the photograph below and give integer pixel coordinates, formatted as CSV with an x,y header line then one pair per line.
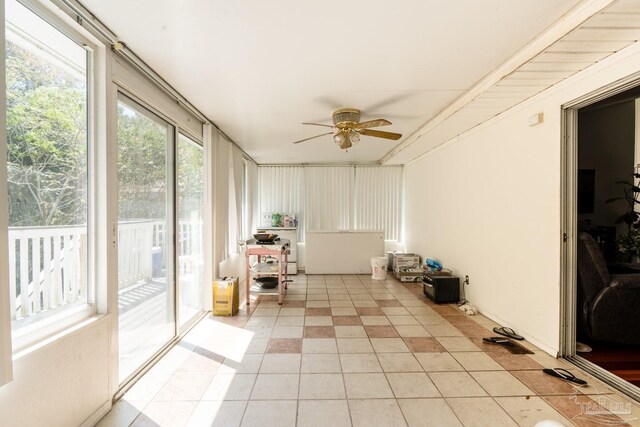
x,y
378,199
328,193
5,318
282,190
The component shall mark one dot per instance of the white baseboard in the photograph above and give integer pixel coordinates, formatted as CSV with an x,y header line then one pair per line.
x,y
97,416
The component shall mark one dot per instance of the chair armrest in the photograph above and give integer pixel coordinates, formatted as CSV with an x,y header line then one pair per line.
x,y
625,281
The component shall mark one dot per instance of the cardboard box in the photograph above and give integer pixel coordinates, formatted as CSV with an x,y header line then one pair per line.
x,y
226,296
405,261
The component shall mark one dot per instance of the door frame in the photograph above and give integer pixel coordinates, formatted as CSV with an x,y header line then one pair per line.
x,y
569,226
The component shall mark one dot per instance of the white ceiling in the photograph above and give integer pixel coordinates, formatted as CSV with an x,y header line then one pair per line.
x,y
259,69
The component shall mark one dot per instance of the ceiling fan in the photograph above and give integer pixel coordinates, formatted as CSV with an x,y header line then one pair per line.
x,y
347,128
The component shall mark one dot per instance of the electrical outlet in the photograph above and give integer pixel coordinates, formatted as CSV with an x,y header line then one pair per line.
x,y
466,280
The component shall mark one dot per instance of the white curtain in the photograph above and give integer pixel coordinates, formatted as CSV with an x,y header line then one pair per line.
x,y
378,199
236,183
253,199
328,192
221,202
6,368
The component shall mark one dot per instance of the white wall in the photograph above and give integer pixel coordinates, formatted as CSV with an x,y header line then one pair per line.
x,y
62,383
488,205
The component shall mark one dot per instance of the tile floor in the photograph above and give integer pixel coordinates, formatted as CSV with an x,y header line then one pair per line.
x,y
350,351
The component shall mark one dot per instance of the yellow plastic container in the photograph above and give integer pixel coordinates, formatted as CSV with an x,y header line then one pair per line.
x,y
226,296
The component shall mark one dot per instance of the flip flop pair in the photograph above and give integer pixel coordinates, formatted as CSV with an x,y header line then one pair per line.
x,y
565,375
499,341
507,332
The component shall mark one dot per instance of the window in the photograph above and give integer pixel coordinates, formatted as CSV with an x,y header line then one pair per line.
x,y
48,170
190,164
146,279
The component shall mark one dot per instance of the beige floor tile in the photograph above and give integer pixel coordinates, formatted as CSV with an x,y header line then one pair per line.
x,y
480,412
389,345
275,387
376,413
184,386
399,362
374,320
261,321
428,413
367,386
319,345
343,311
350,332
217,414
395,311
410,385
318,321
280,363
365,303
320,364
477,361
457,344
258,345
422,310
354,345
250,364
527,412
260,331
340,302
287,332
501,383
148,386
290,321
230,387
166,414
456,384
430,319
317,304
359,362
323,413
444,331
270,413
321,386
412,331
403,320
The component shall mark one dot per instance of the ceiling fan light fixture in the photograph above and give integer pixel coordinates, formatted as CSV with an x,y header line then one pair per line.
x,y
354,137
339,138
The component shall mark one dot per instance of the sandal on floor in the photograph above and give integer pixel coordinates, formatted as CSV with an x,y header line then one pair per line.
x,y
563,374
507,332
499,341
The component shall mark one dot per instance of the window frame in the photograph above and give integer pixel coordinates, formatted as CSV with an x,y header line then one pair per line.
x,y
28,337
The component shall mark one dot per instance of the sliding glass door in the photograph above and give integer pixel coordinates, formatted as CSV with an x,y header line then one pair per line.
x,y
190,165
146,218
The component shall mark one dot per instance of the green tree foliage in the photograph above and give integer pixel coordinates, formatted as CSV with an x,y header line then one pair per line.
x,y
142,166
47,142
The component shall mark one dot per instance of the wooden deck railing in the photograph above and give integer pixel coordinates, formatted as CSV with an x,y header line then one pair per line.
x,y
48,265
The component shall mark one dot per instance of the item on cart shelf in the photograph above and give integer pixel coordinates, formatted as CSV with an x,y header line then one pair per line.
x,y
265,237
267,282
226,296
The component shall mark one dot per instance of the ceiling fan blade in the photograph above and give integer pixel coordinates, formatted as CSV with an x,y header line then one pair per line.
x,y
372,124
318,124
380,134
317,136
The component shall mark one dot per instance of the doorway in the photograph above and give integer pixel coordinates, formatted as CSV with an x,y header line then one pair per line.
x,y
602,233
